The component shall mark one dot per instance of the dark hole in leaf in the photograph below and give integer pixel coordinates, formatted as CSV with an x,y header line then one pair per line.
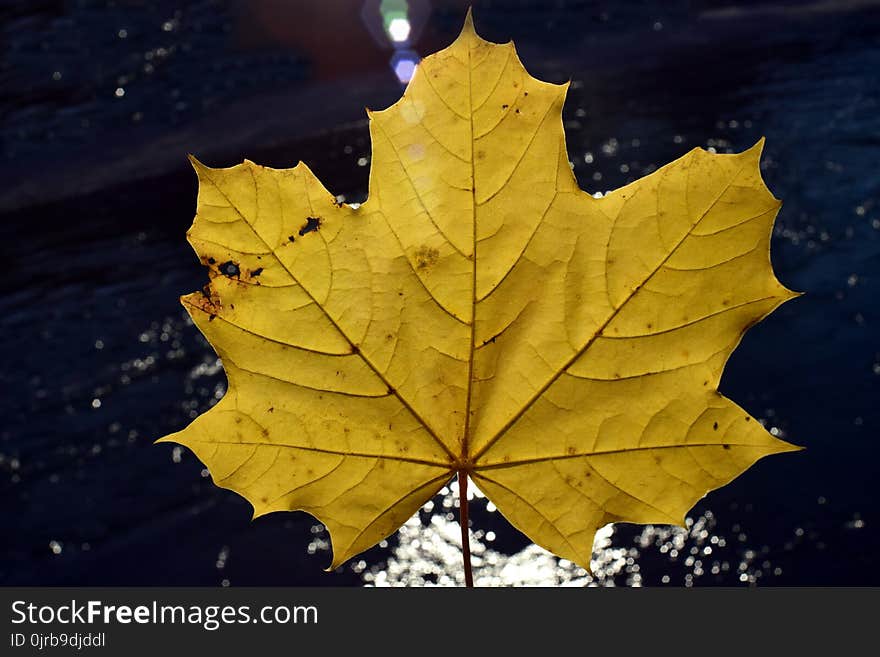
x,y
715,426
312,224
256,272
291,238
230,269
211,261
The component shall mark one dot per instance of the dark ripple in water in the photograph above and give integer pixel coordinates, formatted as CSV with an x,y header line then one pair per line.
x,y
98,359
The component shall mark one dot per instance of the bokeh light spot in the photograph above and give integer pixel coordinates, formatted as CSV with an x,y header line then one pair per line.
x,y
399,29
404,63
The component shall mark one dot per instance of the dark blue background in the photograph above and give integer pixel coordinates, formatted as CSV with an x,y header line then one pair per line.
x,y
96,195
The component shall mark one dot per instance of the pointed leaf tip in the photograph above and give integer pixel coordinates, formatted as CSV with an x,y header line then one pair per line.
x,y
758,147
197,165
468,27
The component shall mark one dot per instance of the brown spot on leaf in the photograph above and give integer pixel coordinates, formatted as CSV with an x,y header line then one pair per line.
x,y
715,426
726,446
312,224
208,302
230,269
271,409
426,257
571,451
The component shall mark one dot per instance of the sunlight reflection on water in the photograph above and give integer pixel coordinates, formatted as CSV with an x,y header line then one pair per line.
x,y
428,553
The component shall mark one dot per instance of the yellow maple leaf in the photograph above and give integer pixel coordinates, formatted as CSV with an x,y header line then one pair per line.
x,y
481,315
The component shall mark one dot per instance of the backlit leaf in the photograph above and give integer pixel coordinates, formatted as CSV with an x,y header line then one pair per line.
x,y
481,314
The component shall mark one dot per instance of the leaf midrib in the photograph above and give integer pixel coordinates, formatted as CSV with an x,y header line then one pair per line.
x,y
465,461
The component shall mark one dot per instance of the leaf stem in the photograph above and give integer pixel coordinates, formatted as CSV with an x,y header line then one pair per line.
x,y
465,534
